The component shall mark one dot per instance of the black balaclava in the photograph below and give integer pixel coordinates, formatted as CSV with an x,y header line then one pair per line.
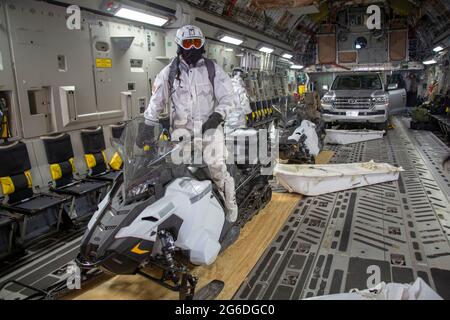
x,y
192,55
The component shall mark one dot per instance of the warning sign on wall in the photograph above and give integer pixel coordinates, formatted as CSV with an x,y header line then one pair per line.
x,y
103,63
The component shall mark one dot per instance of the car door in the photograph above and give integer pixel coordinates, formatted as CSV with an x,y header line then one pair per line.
x,y
397,94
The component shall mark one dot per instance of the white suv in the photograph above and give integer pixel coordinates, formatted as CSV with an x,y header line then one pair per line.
x,y
357,97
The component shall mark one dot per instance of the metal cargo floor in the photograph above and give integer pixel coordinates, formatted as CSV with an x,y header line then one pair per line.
x,y
43,267
328,241
335,242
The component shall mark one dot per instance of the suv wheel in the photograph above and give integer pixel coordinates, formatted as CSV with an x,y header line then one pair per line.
x,y
383,126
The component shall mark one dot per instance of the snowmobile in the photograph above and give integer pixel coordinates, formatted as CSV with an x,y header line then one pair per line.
x,y
301,136
165,217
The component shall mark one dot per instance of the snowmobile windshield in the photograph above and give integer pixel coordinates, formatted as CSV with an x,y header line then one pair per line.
x,y
144,149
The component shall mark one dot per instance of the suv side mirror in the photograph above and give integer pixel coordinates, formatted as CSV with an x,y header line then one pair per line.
x,y
393,86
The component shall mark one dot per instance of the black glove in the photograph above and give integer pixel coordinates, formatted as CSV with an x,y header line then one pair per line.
x,y
145,135
165,122
213,122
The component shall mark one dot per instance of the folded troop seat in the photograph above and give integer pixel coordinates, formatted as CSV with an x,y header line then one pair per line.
x,y
95,156
39,214
85,193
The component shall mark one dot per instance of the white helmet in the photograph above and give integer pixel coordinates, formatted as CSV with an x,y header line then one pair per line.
x,y
189,32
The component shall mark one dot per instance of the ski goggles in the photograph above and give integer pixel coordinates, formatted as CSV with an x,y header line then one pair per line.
x,y
187,44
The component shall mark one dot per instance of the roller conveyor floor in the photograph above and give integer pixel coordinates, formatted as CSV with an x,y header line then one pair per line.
x,y
335,242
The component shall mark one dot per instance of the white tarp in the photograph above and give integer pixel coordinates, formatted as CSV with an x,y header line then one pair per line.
x,y
314,180
312,140
236,114
351,136
419,290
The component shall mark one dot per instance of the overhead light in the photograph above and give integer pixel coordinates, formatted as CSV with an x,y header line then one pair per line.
x,y
229,49
438,49
358,46
287,56
296,66
141,17
232,40
432,61
266,49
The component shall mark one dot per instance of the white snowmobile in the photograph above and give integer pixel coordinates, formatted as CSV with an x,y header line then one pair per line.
x,y
162,216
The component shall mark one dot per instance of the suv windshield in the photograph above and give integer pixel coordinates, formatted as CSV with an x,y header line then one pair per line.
x,y
357,82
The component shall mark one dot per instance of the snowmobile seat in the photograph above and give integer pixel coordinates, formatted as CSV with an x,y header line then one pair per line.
x,y
202,173
85,193
95,156
41,213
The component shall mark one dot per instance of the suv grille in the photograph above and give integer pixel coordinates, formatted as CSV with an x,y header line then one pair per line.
x,y
353,103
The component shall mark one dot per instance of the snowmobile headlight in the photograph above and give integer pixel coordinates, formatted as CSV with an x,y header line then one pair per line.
x,y
380,99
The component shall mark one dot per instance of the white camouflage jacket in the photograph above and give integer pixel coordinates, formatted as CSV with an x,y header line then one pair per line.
x,y
192,99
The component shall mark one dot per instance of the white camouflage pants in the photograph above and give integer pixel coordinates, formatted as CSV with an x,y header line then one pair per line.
x,y
214,156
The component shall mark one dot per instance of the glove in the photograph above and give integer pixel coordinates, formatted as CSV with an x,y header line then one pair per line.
x,y
213,122
145,135
164,121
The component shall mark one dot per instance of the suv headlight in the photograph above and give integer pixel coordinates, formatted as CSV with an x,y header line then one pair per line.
x,y
327,99
380,99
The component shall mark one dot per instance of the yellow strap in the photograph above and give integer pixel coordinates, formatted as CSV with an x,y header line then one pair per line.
x,y
4,127
104,156
55,170
72,163
30,180
116,162
90,160
7,185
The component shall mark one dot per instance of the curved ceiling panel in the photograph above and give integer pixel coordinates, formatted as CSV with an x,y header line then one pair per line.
x,y
298,21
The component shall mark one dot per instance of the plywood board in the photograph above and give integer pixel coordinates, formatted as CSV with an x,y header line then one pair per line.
x,y
397,45
324,157
347,56
327,48
232,266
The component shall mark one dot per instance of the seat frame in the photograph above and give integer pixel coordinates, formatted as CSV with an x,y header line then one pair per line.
x,y
28,213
